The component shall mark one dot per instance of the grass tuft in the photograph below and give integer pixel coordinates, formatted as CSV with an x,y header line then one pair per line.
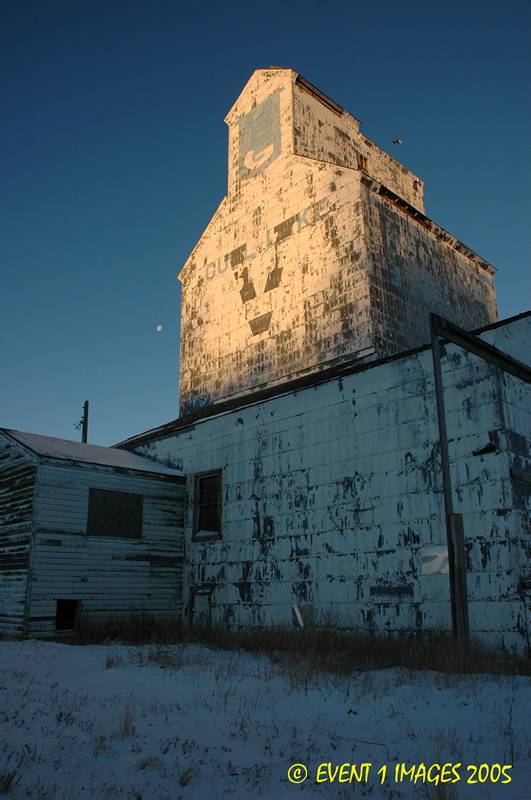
x,y
186,776
9,779
126,727
150,762
113,660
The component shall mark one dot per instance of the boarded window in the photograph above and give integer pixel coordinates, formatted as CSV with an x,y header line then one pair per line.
x,y
207,503
115,514
66,615
200,609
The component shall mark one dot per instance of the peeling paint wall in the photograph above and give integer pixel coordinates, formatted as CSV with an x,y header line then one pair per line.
x,y
414,271
332,498
332,135
515,405
47,555
109,575
306,263
17,484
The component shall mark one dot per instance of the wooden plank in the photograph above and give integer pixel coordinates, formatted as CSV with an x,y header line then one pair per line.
x,y
17,482
108,574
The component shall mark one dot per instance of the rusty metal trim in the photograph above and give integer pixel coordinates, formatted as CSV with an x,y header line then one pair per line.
x,y
437,230
443,328
453,333
319,95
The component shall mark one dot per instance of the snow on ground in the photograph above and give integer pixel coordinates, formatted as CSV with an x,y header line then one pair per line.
x,y
103,721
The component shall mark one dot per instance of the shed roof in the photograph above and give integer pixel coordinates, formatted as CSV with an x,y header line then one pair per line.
x,y
67,450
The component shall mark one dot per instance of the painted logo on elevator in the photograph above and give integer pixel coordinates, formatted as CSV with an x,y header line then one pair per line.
x,y
270,238
240,259
259,137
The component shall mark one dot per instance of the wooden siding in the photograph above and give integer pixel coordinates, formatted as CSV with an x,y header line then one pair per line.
x,y
17,483
109,575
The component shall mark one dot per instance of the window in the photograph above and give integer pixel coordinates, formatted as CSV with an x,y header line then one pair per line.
x,y
362,161
66,615
207,505
115,514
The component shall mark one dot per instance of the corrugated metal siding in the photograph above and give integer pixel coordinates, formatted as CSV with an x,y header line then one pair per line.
x,y
17,482
331,494
108,575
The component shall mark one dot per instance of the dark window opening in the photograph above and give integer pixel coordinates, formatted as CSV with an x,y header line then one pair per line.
x,y
207,503
115,514
66,615
362,161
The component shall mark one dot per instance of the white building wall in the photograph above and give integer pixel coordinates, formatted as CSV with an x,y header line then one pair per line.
x,y
111,576
17,486
332,494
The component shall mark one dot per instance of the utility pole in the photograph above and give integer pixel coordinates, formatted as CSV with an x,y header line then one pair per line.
x,y
83,422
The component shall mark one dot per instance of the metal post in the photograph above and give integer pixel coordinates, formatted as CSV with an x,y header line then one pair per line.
x,y
454,523
460,588
84,422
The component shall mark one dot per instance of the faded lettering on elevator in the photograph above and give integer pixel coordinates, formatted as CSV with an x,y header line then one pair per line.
x,y
271,237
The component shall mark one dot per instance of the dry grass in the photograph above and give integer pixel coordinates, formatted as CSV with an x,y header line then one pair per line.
x,y
186,776
160,654
9,779
441,791
126,727
323,648
99,745
331,650
134,628
113,660
150,762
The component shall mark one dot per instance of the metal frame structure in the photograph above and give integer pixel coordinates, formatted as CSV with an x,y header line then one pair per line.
x,y
444,329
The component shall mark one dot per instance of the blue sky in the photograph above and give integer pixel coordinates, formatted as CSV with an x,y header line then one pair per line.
x,y
114,158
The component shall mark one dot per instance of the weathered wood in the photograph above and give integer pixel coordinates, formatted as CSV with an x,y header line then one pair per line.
x,y
108,574
17,482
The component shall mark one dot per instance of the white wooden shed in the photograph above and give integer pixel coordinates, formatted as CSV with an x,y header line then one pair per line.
x,y
86,532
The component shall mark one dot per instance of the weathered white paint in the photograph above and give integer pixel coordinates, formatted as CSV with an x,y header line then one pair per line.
x,y
17,486
67,450
332,494
109,575
320,252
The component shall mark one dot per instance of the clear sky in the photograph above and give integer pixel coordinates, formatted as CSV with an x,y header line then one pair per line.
x,y
114,155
